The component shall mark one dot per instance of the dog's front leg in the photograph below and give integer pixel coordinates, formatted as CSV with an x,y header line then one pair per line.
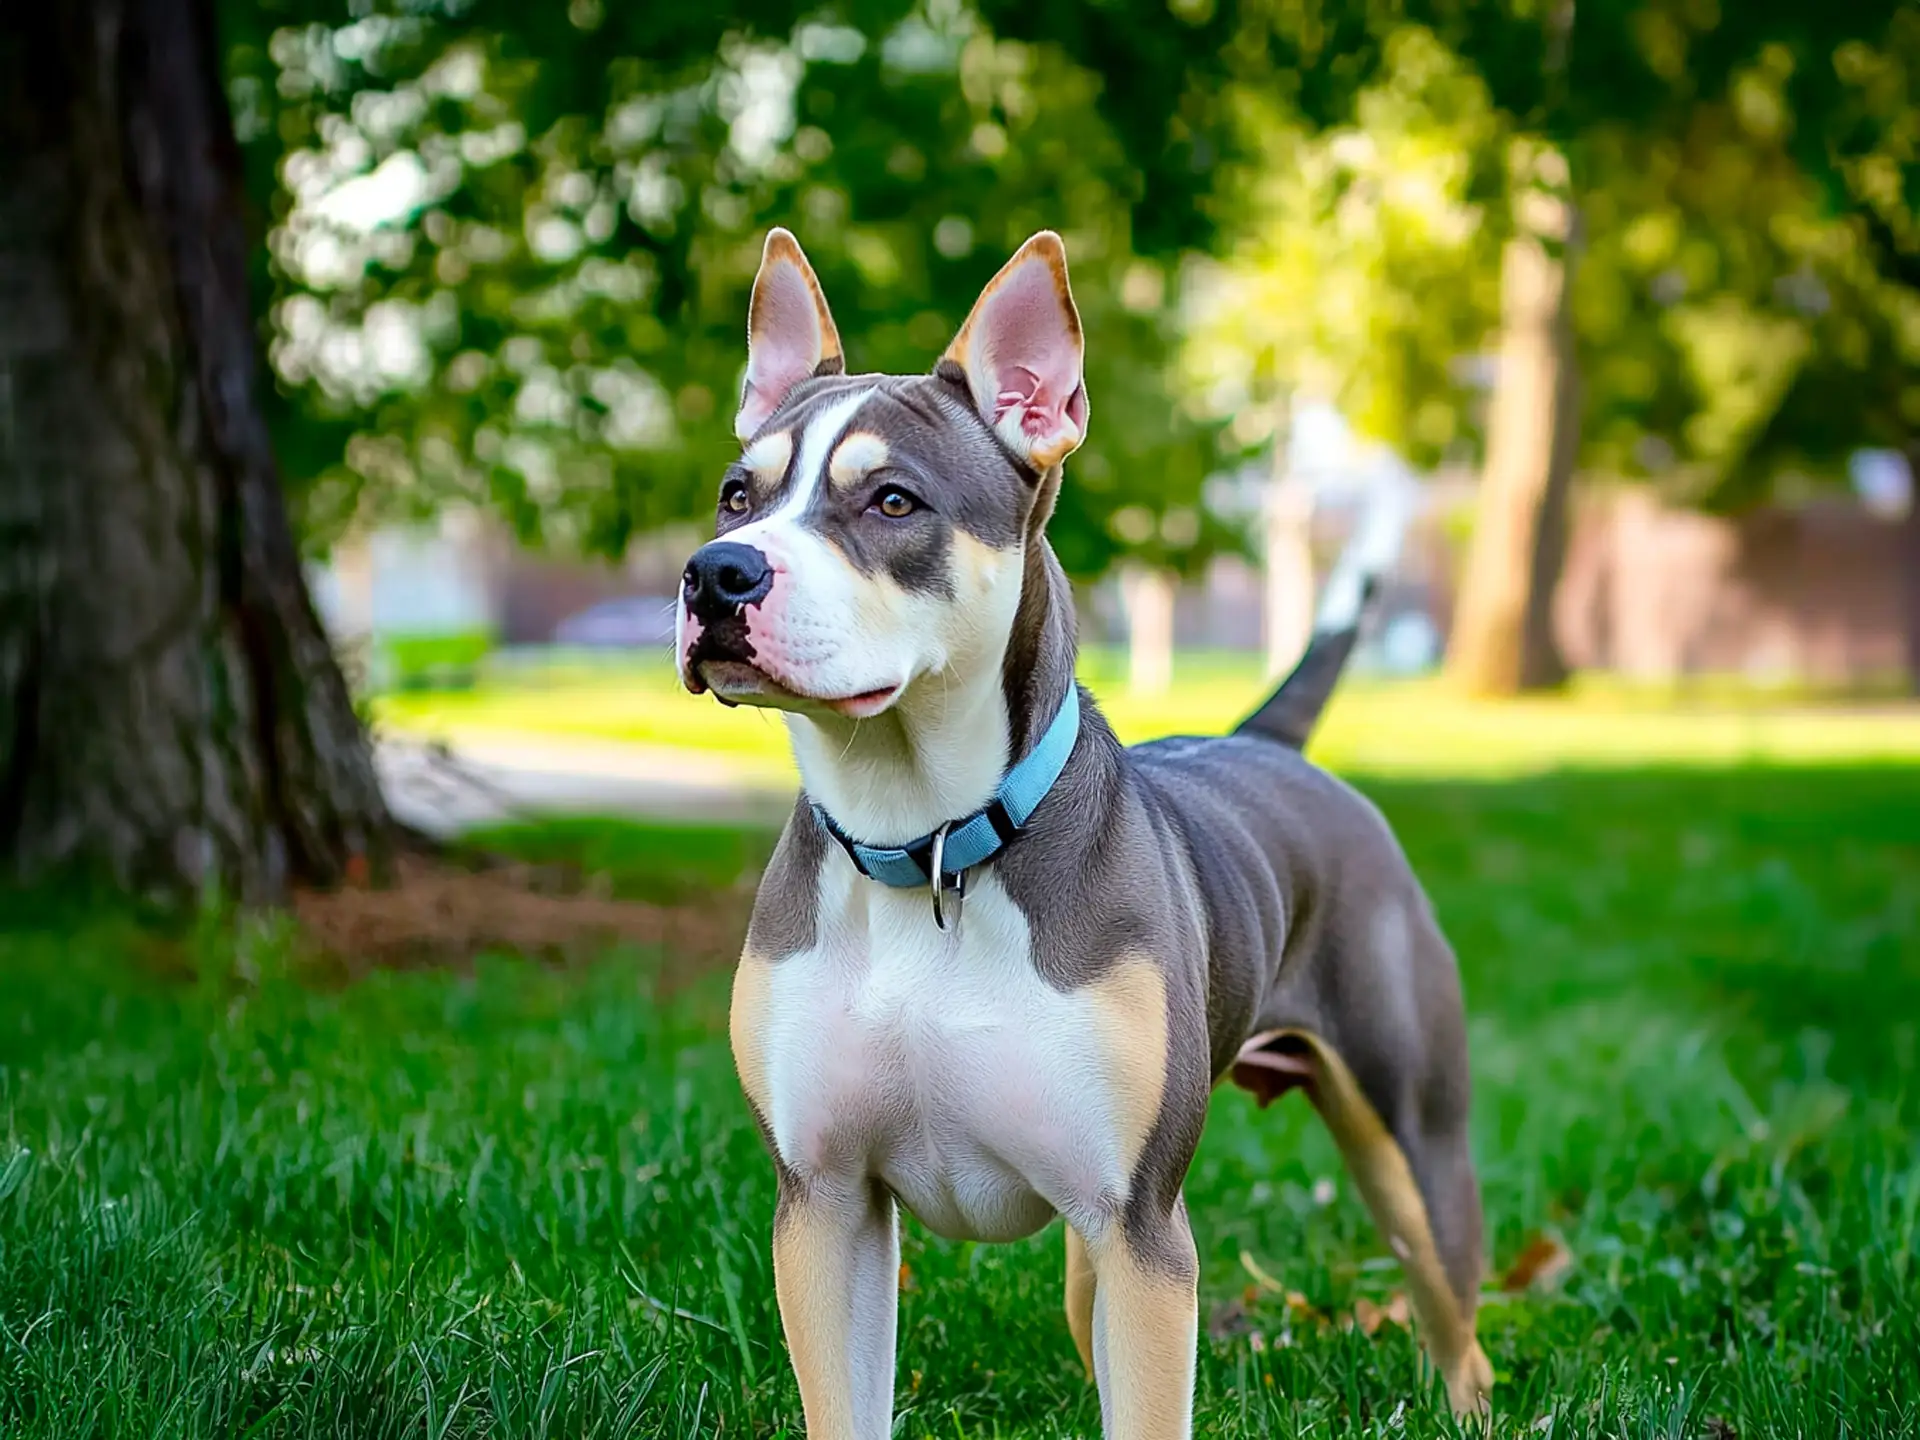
x,y
836,1270
1145,1325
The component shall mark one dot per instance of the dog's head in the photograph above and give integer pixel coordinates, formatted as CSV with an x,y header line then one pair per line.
x,y
873,531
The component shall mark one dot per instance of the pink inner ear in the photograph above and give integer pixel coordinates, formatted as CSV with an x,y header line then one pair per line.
x,y
785,345
1027,345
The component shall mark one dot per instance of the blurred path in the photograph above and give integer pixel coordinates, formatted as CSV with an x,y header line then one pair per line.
x,y
445,788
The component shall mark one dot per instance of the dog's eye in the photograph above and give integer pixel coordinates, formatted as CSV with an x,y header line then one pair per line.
x,y
895,503
733,497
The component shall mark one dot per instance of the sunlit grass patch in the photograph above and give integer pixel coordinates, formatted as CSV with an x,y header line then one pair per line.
x,y
1376,727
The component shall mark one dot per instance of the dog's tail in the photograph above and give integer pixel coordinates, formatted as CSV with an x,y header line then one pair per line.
x,y
1292,711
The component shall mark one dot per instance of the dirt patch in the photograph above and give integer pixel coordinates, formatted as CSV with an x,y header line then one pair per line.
x,y
439,912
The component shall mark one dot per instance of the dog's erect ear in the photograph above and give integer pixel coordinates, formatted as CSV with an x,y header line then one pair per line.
x,y
1021,351
790,332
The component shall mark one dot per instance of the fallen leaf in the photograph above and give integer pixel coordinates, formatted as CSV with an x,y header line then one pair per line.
x,y
1302,1308
907,1282
1541,1265
1260,1276
1369,1317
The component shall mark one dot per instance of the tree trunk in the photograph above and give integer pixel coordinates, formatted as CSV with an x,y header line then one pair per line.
x,y
1910,564
1148,596
1289,571
171,715
1502,640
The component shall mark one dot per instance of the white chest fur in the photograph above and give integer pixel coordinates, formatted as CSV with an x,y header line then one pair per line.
x,y
944,1065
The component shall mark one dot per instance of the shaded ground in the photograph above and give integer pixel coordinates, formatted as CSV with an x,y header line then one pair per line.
x,y
527,1199
562,889
435,913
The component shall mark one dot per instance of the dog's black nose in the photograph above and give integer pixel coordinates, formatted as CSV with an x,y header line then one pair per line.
x,y
723,576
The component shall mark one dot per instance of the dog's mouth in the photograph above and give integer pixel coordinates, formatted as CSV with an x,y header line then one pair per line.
x,y
740,682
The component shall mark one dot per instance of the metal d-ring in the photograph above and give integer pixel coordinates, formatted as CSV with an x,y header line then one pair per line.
x,y
940,897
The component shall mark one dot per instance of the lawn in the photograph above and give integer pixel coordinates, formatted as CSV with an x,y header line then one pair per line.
x,y
525,1199
1373,727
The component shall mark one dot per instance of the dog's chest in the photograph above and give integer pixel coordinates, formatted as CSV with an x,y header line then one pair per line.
x,y
944,1065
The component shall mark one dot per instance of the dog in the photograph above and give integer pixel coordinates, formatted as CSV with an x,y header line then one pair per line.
x,y
998,961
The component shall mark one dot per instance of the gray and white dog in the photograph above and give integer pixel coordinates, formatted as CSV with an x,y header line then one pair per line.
x,y
998,960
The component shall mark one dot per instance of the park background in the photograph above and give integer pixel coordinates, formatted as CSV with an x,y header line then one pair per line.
x,y
366,371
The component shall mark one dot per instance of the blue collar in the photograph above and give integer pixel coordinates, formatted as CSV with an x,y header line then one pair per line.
x,y
983,834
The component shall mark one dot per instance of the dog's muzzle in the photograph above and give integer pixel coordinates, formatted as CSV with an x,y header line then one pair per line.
x,y
723,578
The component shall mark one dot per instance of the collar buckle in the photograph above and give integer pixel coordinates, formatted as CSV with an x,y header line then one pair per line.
x,y
947,900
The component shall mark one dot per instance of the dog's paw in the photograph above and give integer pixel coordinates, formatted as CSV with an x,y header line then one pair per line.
x,y
1470,1387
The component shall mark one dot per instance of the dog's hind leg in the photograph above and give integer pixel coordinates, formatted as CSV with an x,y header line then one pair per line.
x,y
1422,1194
1080,1284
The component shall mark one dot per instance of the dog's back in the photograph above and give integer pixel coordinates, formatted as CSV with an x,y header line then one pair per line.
x,y
1279,847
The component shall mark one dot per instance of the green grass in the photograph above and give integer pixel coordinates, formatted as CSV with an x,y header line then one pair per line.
x,y
1378,728
665,865
527,1201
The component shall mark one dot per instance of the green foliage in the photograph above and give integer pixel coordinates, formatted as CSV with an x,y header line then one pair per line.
x,y
666,865
1367,264
511,245
1747,292
1748,309
1751,315
526,1201
548,316
1859,379
412,660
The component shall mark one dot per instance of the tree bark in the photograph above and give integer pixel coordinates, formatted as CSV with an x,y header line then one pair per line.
x,y
1910,564
1502,641
1289,570
171,715
1148,595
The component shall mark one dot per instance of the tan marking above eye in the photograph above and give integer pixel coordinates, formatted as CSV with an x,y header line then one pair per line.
x,y
856,457
769,456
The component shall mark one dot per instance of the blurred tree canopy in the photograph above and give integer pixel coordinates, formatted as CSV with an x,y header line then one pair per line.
x,y
511,245
1365,267
508,250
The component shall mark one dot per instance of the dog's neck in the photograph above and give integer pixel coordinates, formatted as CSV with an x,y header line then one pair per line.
x,y
940,752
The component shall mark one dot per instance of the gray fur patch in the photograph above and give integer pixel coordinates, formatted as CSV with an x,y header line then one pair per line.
x,y
938,451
